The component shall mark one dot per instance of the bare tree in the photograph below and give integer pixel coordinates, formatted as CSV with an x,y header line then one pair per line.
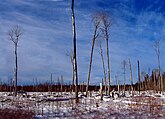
x,y
161,79
14,35
104,70
101,89
62,79
131,80
74,52
124,72
96,20
139,77
51,83
107,22
157,50
70,55
117,83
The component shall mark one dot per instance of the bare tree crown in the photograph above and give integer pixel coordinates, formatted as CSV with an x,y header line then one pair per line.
x,y
106,21
157,47
14,34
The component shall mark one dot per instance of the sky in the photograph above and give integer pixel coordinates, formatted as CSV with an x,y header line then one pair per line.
x,y
47,36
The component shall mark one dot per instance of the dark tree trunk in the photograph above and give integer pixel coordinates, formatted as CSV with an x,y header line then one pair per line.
x,y
16,71
139,76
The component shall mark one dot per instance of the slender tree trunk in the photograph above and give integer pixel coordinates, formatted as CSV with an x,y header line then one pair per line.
x,y
74,52
117,84
14,35
154,81
131,80
16,71
159,75
101,89
106,25
102,58
90,64
158,59
124,66
71,59
73,83
161,83
139,76
157,49
61,83
51,81
91,54
108,62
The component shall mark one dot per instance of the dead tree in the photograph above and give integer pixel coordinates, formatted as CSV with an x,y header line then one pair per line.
x,y
62,79
157,50
161,83
14,35
51,83
74,52
147,81
37,84
131,80
103,64
124,69
107,22
139,79
96,20
70,55
153,81
101,89
117,83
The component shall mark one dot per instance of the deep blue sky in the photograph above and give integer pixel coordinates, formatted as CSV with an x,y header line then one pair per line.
x,y
47,35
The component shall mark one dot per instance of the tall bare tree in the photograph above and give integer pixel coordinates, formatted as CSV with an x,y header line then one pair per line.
x,y
70,55
131,80
124,72
104,70
96,20
14,35
74,52
157,50
139,77
51,83
107,22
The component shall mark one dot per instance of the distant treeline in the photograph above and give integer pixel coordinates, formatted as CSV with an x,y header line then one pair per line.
x,y
53,88
60,88
155,81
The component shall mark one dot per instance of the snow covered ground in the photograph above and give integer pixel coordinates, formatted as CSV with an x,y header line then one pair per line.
x,y
62,105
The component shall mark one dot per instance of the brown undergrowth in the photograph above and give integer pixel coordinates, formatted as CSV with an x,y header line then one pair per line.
x,y
15,114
